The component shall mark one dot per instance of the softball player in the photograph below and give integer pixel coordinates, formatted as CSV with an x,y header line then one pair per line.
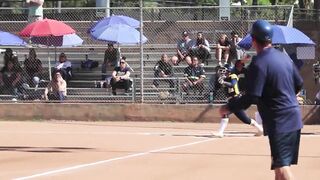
x,y
230,82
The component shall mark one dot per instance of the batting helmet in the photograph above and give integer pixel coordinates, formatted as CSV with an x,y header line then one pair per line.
x,y
262,31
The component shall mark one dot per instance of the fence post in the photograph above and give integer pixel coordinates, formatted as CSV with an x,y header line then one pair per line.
x,y
141,52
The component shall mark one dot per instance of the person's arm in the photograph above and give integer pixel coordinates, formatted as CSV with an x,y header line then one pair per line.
x,y
46,94
199,80
298,81
39,67
170,70
126,76
46,91
105,59
206,45
63,87
201,77
156,67
114,74
193,44
228,84
186,75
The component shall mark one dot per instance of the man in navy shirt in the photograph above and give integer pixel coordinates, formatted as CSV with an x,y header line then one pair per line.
x,y
273,82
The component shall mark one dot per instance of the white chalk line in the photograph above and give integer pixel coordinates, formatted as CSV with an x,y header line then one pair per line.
x,y
110,160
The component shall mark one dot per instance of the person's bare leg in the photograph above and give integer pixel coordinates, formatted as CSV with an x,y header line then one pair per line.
x,y
219,54
283,173
188,60
226,55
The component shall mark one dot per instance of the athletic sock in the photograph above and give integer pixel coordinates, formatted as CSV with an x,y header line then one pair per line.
x,y
256,125
223,125
258,118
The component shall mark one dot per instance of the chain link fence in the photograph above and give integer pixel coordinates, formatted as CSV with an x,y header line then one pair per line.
x,y
161,25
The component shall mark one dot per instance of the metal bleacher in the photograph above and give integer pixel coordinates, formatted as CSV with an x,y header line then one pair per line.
x,y
82,88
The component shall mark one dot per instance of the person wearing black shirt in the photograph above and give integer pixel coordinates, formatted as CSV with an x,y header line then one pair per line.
x,y
11,77
222,49
121,77
163,69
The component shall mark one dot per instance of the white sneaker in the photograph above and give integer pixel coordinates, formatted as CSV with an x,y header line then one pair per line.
x,y
218,134
258,133
258,127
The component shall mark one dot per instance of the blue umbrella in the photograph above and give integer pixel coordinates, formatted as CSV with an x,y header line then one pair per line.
x,y
59,41
8,39
281,35
118,33
112,20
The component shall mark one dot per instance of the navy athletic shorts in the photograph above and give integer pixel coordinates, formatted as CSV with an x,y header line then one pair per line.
x,y
284,148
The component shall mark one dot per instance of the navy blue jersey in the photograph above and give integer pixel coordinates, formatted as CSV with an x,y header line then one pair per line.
x,y
274,79
163,66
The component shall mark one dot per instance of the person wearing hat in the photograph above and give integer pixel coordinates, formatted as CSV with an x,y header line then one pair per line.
x,y
274,83
183,49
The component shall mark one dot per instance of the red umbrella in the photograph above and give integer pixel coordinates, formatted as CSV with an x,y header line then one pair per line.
x,y
46,27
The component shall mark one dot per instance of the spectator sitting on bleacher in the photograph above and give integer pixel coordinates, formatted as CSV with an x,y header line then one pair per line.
x,y
222,49
163,69
236,53
195,75
33,67
11,77
121,77
111,56
183,49
65,67
57,88
200,48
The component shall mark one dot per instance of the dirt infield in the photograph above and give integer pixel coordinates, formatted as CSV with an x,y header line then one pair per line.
x,y
142,151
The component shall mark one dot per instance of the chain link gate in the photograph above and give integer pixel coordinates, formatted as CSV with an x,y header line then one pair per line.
x,y
161,25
